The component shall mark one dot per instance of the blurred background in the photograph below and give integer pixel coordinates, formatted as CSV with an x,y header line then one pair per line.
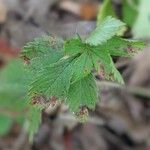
x,y
121,120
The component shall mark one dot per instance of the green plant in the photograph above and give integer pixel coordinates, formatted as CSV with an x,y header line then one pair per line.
x,y
105,10
14,107
135,13
64,70
130,11
141,25
13,90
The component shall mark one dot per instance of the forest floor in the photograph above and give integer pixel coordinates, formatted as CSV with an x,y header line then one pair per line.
x,y
122,117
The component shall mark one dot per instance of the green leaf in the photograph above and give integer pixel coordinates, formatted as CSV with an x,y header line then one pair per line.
x,y
41,46
141,26
13,90
13,87
53,79
105,10
5,124
74,46
14,72
93,56
38,63
130,11
105,60
82,66
67,74
122,47
82,93
104,31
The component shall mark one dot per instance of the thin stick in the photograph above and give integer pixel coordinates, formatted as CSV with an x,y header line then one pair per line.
x,y
140,91
91,120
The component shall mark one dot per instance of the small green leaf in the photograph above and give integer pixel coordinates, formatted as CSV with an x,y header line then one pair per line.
x,y
82,93
104,31
122,47
105,10
111,73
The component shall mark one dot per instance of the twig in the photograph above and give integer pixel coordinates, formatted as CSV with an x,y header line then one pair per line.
x,y
20,141
92,120
140,91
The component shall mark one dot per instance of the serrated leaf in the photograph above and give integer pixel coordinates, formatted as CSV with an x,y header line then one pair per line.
x,y
82,93
111,73
92,56
53,79
81,67
122,47
38,63
73,46
68,77
104,31
41,46
116,76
